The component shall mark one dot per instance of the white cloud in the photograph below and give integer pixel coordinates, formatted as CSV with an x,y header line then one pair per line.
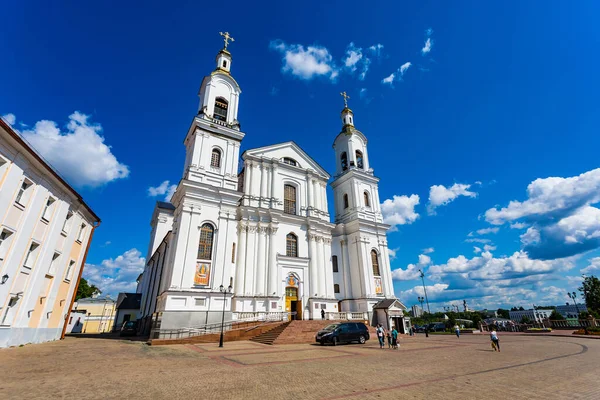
x,y
439,195
363,92
476,249
392,253
78,153
305,63
428,250
593,267
485,231
427,47
376,49
162,189
400,210
9,118
116,275
518,225
478,240
404,67
562,221
389,79
354,55
489,247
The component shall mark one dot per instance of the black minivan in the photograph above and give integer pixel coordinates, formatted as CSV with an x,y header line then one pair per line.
x,y
343,332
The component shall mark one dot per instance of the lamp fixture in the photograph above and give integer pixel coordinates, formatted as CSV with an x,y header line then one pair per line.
x,y
4,279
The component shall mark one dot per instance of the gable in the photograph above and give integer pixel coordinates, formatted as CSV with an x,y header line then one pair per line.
x,y
287,150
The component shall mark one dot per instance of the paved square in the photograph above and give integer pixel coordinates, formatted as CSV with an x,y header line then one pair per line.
x,y
444,367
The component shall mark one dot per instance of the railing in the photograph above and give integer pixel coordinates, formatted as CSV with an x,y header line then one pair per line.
x,y
215,327
362,316
573,323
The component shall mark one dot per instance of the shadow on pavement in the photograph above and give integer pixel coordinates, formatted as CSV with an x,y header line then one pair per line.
x,y
109,336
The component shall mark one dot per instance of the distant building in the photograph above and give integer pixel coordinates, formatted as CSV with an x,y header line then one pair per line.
x,y
571,311
99,314
532,315
45,233
488,313
128,308
417,311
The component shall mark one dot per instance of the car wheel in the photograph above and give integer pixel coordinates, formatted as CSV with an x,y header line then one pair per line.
x,y
334,341
322,343
361,339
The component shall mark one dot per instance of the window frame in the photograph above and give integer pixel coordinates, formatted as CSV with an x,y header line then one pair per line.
x,y
346,201
48,209
32,251
334,264
375,263
290,161
291,239
24,193
336,288
217,106
5,242
81,232
367,199
290,206
344,161
216,151
205,244
70,266
360,160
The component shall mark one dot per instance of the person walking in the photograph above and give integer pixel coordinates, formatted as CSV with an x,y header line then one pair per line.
x,y
495,340
394,338
457,330
380,337
427,330
388,334
322,314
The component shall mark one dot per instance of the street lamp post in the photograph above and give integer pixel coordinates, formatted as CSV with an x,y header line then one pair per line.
x,y
224,291
421,300
425,290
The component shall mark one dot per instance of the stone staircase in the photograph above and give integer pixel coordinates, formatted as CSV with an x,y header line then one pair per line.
x,y
305,331
271,335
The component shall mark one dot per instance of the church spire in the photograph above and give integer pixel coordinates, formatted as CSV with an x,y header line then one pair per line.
x,y
224,56
347,114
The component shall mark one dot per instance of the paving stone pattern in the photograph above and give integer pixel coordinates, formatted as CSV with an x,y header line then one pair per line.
x,y
438,367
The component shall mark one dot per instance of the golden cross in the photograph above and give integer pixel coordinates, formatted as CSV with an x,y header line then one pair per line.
x,y
226,38
346,97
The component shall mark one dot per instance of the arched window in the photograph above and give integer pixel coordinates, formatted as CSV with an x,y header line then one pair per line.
x,y
336,288
345,201
221,109
375,261
207,234
224,63
367,203
344,161
359,159
290,161
334,263
215,158
289,199
291,245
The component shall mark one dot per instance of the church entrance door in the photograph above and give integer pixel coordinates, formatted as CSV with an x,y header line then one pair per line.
x,y
292,304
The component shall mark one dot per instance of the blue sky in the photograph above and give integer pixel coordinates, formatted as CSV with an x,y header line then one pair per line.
x,y
485,101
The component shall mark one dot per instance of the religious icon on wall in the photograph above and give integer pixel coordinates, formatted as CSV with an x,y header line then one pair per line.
x,y
202,275
378,286
292,281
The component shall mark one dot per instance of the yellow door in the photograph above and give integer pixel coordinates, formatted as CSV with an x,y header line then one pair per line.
x,y
291,297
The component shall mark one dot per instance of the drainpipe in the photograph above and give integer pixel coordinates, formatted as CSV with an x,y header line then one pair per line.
x,y
87,248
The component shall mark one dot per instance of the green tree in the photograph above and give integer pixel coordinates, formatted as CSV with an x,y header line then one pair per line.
x,y
591,292
555,315
85,290
525,320
502,313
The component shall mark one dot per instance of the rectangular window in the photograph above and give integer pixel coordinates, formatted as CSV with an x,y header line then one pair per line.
x,y
53,264
336,288
323,306
316,306
81,233
273,305
289,199
69,270
48,209
31,255
24,192
5,239
233,253
68,220
200,302
334,263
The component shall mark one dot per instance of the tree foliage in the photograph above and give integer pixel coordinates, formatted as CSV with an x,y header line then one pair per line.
x,y
85,290
591,292
525,320
555,315
502,313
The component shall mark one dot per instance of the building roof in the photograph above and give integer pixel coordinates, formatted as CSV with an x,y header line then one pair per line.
x,y
15,135
129,301
387,303
106,299
165,205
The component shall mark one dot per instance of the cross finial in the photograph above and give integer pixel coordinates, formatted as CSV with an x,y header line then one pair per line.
x,y
226,38
346,97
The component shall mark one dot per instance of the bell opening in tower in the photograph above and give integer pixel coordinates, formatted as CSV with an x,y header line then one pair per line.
x,y
221,106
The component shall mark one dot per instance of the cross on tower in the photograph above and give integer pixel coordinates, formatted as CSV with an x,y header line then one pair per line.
x,y
226,38
346,97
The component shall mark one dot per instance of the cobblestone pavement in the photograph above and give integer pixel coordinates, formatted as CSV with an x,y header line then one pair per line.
x,y
441,367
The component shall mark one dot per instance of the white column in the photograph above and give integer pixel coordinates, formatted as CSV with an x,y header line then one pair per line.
x,y
277,189
255,184
247,181
249,275
263,184
387,272
240,260
274,196
314,276
343,268
309,193
273,270
324,197
269,185
316,194
321,263
328,270
366,158
259,284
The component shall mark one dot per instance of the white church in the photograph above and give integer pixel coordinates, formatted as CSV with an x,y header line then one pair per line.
x,y
259,242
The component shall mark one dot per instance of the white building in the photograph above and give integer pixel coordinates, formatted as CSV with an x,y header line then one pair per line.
x,y
533,315
265,231
45,231
417,311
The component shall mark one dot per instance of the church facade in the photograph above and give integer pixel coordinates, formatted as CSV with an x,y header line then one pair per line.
x,y
256,239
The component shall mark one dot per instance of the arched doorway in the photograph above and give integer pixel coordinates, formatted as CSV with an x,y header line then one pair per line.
x,y
293,303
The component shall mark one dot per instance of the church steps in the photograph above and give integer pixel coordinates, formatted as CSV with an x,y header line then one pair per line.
x,y
270,336
305,331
